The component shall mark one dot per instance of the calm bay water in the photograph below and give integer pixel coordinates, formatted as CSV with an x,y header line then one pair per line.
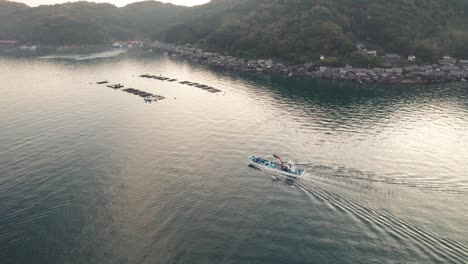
x,y
93,175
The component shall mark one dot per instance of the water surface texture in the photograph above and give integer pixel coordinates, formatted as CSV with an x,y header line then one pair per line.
x,y
93,175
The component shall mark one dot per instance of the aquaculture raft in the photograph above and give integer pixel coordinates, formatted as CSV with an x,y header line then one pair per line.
x,y
193,84
148,97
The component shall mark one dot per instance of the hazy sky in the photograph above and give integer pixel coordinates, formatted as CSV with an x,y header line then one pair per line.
x,y
115,2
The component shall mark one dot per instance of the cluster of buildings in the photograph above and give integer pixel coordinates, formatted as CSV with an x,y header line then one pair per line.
x,y
386,58
127,44
448,69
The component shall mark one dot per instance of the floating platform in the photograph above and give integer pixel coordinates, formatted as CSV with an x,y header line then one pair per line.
x,y
201,86
115,86
148,97
194,84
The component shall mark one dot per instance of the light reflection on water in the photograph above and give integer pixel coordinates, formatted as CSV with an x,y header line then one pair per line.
x,y
89,174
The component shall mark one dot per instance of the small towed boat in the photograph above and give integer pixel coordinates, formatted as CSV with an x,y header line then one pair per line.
x,y
115,86
290,170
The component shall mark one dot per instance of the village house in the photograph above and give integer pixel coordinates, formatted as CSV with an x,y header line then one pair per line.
x,y
371,52
450,71
251,63
447,60
361,47
391,58
463,63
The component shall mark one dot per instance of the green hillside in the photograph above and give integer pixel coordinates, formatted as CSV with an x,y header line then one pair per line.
x,y
305,29
86,22
298,30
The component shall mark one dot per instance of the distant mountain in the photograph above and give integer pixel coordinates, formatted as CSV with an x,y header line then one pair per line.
x,y
298,30
8,7
85,22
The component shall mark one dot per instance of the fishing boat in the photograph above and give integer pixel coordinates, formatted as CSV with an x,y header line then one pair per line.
x,y
277,168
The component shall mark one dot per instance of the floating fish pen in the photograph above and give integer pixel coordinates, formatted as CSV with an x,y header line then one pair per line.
x,y
213,90
115,86
148,97
102,82
194,84
201,86
209,89
137,92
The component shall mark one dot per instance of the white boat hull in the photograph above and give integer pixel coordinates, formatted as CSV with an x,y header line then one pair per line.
x,y
277,172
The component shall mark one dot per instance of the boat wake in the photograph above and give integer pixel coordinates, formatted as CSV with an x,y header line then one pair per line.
x,y
386,226
351,176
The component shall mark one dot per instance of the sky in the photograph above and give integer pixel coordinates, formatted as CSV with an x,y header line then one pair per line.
x,y
115,2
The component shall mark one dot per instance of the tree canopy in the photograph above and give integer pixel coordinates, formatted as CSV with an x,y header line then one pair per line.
x,y
305,29
298,30
85,22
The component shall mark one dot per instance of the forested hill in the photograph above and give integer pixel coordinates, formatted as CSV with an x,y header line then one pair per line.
x,y
305,29
298,30
85,22
7,8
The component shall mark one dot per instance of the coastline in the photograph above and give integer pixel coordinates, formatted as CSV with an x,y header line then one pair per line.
x,y
89,56
441,72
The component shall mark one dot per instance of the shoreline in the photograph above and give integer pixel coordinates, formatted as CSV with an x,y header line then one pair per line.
x,y
434,73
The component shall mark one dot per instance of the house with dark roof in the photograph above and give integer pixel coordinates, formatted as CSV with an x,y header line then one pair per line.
x,y
391,58
447,60
463,62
